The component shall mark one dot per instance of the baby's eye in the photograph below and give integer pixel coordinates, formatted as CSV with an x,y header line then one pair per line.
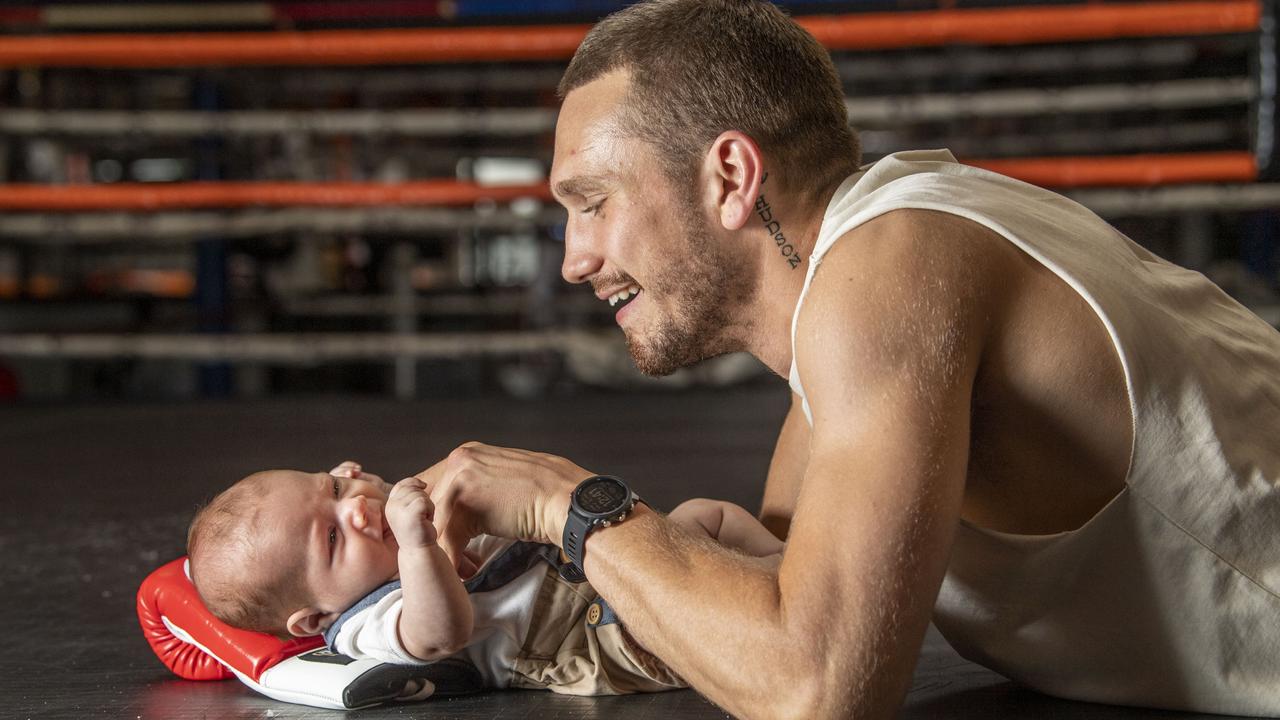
x,y
335,487
333,536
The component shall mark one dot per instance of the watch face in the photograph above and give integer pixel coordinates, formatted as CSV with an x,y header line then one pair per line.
x,y
601,495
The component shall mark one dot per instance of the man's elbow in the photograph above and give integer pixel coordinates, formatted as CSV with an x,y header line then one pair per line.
x,y
792,689
814,701
809,699
816,690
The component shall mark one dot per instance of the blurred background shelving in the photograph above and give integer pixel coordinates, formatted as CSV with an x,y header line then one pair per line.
x,y
161,298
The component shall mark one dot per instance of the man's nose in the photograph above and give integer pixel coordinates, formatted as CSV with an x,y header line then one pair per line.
x,y
581,261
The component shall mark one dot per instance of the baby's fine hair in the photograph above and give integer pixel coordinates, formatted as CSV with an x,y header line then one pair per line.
x,y
226,562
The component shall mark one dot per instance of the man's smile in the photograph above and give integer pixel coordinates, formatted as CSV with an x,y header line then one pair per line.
x,y
623,296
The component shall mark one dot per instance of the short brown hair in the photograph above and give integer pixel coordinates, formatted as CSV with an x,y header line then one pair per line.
x,y
226,562
701,67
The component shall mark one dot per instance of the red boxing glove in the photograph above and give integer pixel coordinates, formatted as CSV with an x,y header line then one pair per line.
x,y
168,594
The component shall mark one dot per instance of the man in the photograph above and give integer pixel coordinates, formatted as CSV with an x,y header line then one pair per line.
x,y
992,388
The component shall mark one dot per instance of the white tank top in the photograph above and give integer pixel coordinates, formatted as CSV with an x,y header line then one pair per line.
x,y
1168,596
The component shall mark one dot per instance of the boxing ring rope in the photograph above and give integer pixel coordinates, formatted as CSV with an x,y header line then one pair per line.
x,y
172,228
1179,199
290,348
884,110
165,123
1018,26
194,195
1145,138
869,31
1132,170
65,228
1168,95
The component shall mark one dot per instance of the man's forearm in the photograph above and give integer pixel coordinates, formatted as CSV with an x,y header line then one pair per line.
x,y
712,614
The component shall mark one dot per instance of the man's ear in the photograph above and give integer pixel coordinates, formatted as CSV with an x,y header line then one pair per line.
x,y
735,167
309,621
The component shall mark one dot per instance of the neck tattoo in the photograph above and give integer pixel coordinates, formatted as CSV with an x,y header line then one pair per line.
x,y
774,228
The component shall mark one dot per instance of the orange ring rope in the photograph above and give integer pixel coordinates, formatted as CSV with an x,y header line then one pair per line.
x,y
192,195
999,26
1024,26
1127,170
1131,170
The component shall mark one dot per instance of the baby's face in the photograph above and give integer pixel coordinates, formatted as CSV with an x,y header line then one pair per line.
x,y
334,528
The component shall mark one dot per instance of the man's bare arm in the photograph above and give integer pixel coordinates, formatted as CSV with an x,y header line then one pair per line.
x,y
786,471
834,631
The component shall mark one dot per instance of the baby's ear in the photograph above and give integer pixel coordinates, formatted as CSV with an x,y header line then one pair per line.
x,y
309,621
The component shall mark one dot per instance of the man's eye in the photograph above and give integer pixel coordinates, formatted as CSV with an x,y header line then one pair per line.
x,y
594,209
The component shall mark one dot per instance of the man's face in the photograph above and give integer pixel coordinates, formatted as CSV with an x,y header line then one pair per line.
x,y
334,528
641,241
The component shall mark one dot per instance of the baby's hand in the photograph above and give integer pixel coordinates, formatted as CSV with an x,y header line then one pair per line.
x,y
352,469
409,512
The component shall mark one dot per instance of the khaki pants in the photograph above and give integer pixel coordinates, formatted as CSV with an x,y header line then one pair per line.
x,y
568,652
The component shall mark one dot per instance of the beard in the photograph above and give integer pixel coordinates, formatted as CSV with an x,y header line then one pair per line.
x,y
702,291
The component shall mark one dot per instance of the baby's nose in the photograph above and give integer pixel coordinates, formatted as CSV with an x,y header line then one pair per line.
x,y
359,513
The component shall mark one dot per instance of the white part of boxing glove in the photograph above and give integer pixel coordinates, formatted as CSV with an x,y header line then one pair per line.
x,y
322,678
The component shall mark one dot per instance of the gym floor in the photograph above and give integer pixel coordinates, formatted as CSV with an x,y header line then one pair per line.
x,y
95,497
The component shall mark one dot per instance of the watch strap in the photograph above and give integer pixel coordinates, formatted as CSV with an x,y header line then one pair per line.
x,y
576,528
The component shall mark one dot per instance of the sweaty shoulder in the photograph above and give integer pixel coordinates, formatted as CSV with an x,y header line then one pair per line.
x,y
908,297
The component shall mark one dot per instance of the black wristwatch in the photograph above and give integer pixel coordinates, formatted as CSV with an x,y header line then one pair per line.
x,y
598,501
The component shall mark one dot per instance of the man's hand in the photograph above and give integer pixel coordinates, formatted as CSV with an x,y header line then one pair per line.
x,y
410,512
500,491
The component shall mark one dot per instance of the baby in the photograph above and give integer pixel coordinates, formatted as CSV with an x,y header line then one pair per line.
x,y
349,556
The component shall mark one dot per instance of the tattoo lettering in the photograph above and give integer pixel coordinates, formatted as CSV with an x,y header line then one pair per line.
x,y
774,228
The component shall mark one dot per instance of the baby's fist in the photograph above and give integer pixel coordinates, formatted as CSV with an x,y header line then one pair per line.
x,y
409,512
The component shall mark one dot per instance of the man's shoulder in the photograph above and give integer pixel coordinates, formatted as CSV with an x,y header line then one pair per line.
x,y
909,259
906,240
906,284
